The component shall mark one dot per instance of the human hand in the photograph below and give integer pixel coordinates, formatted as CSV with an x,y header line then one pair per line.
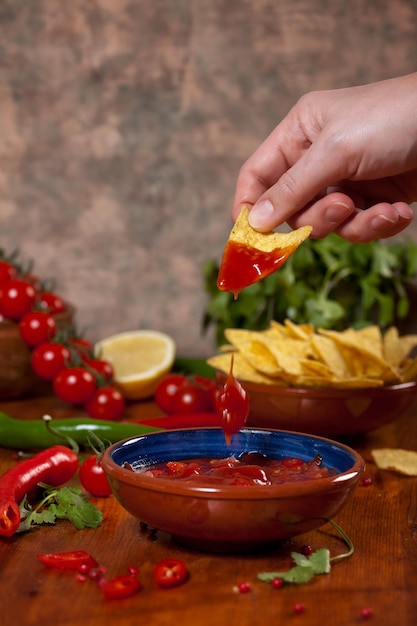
x,y
334,155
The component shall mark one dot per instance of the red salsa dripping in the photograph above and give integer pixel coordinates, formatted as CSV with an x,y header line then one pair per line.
x,y
232,405
243,265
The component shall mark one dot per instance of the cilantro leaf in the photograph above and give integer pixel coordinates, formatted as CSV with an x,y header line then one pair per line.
x,y
75,506
64,503
304,570
329,282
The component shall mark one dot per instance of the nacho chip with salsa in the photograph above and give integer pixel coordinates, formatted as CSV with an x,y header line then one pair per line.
x,y
249,256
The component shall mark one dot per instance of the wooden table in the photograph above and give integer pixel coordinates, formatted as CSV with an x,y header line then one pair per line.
x,y
381,520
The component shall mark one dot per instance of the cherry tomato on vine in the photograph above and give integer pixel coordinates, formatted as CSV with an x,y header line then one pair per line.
x,y
49,358
51,302
210,386
107,403
190,398
74,385
7,272
37,327
93,478
166,390
84,347
17,297
34,280
121,587
101,368
170,573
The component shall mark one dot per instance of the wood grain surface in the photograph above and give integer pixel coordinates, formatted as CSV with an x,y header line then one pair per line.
x,y
381,520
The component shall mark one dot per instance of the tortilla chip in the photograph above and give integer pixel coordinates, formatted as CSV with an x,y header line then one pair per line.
x,y
298,356
329,354
396,348
242,370
397,460
242,232
249,256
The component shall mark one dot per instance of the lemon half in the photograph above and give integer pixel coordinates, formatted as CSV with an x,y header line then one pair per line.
x,y
140,359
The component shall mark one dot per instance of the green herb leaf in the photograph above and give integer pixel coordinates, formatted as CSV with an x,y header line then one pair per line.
x,y
331,283
319,562
75,506
304,570
64,503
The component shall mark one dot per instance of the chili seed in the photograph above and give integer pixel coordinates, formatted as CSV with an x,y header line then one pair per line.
x,y
81,578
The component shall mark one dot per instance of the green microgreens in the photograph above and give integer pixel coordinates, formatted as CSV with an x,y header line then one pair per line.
x,y
306,567
64,503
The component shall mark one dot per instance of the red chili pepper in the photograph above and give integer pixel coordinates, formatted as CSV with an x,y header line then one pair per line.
x,y
121,587
182,420
53,466
72,560
170,573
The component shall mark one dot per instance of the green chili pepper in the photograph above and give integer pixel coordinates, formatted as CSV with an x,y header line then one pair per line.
x,y
34,434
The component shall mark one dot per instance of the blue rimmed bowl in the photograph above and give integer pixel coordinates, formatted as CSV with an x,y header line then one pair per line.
x,y
230,518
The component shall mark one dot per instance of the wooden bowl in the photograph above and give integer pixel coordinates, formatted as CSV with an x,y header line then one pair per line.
x,y
17,378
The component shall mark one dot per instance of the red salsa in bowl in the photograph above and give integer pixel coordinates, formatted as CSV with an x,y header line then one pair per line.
x,y
249,469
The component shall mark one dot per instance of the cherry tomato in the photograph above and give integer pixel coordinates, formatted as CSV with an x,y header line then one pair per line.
x,y
84,347
101,368
190,398
17,297
107,403
72,560
210,386
37,327
93,478
121,587
166,390
33,280
170,573
48,359
51,302
7,272
74,385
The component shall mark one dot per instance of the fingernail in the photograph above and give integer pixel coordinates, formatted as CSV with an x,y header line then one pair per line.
x,y
381,222
337,212
260,214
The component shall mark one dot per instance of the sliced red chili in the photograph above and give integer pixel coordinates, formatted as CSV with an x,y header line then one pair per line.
x,y
121,587
71,560
170,573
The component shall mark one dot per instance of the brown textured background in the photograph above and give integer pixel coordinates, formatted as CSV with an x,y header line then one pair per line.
x,y
123,124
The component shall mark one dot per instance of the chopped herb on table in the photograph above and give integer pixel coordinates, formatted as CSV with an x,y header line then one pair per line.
x,y
65,503
306,567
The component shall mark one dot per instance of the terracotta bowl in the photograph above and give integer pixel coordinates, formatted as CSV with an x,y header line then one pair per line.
x,y
230,518
16,376
335,413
